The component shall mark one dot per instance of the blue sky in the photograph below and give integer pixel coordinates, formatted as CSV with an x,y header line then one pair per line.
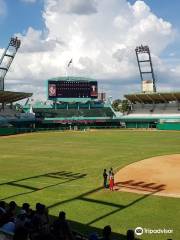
x,y
100,36
18,17
167,9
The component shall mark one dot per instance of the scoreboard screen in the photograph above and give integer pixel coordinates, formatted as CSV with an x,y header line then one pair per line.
x,y
72,89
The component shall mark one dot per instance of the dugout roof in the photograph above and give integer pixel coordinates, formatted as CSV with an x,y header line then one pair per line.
x,y
153,97
9,97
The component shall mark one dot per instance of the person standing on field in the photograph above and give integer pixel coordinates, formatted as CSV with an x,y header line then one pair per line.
x,y
111,182
105,178
110,174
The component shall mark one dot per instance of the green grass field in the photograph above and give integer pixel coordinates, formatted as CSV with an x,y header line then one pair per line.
x,y
64,171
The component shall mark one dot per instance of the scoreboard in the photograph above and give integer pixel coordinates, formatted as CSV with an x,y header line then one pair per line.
x,y
72,89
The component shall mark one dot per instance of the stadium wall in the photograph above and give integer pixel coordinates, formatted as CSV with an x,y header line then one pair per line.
x,y
7,131
137,125
169,126
13,130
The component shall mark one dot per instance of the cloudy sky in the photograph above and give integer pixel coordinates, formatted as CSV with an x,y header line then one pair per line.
x,y
99,35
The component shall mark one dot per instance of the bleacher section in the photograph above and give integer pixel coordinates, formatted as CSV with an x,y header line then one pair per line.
x,y
159,108
68,113
9,115
148,109
8,111
91,113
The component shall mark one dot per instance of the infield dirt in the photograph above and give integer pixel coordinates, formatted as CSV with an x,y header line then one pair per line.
x,y
157,175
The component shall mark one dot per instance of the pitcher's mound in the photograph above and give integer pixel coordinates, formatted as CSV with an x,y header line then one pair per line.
x,y
157,175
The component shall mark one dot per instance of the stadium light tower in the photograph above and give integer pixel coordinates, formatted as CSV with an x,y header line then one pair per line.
x,y
7,58
145,69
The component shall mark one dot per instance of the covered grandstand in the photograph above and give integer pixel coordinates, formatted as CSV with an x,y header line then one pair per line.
x,y
10,97
90,113
10,114
154,97
151,110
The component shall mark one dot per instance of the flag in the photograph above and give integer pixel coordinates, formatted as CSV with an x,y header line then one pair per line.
x,y
69,62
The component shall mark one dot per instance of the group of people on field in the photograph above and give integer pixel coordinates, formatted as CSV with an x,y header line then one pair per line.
x,y
108,179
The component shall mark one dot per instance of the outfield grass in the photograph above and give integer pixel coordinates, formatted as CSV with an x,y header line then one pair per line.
x,y
64,171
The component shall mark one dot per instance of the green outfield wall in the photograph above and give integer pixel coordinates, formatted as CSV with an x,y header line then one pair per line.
x,y
169,126
7,131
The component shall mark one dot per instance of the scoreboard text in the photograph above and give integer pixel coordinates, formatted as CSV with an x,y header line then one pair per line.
x,y
72,89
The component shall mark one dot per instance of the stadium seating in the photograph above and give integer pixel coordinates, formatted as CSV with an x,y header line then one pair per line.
x,y
67,113
9,114
7,111
158,108
28,224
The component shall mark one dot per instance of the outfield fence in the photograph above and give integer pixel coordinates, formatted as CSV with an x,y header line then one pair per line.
x,y
13,131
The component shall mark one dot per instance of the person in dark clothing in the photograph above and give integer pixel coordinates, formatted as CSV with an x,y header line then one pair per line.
x,y
9,214
107,233
2,207
2,212
26,207
40,219
105,178
45,236
61,228
21,234
130,234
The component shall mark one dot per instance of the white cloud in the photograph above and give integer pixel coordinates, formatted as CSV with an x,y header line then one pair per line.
x,y
34,41
80,7
100,36
3,8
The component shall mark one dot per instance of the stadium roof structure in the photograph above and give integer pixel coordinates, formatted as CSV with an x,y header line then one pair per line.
x,y
71,78
9,97
153,97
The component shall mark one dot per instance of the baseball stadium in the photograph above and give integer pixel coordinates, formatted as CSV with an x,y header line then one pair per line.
x,y
53,155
